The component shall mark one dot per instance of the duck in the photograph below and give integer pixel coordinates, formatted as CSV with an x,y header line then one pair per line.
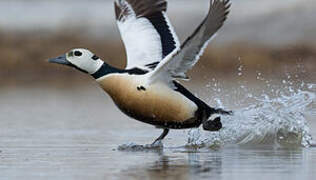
x,y
148,89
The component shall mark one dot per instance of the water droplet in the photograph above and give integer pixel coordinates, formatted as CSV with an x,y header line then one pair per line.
x,y
291,89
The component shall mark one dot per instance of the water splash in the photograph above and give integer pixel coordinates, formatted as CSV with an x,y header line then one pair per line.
x,y
278,121
276,116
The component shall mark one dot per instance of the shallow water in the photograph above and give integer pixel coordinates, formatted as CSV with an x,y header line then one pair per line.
x,y
53,133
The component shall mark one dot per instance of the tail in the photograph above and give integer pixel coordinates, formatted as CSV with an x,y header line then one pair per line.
x,y
222,112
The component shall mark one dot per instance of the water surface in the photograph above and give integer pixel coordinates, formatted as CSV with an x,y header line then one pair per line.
x,y
53,133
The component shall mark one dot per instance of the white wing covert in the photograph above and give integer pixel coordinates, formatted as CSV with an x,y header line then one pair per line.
x,y
146,32
177,63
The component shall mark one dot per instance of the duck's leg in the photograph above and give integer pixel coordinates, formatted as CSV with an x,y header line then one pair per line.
x,y
162,136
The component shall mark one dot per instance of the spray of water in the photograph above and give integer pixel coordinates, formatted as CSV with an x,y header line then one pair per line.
x,y
278,117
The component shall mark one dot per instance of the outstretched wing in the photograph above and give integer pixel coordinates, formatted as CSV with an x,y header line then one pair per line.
x,y
146,32
176,64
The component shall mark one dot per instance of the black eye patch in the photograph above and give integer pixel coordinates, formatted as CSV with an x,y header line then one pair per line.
x,y
95,57
78,53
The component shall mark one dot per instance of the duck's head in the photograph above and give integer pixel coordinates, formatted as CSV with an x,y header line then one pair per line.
x,y
82,59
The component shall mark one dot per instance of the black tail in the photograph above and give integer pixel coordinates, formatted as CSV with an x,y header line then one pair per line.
x,y
222,112
204,111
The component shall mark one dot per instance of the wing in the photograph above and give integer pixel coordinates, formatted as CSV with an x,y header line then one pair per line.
x,y
177,63
146,32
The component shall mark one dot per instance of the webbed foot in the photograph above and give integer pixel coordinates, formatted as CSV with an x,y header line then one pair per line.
x,y
213,125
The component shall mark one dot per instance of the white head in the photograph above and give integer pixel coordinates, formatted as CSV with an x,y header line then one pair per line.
x,y
81,59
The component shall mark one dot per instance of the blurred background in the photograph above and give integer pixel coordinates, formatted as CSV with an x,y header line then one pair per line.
x,y
272,37
57,122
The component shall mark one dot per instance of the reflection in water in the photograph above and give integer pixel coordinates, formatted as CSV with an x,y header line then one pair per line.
x,y
174,167
234,161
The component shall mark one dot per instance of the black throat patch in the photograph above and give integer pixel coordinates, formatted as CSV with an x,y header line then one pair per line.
x,y
107,69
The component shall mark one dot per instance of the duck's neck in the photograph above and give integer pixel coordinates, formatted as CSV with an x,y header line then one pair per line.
x,y
106,69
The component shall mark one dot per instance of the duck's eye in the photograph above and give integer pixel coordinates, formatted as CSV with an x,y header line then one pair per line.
x,y
78,53
95,57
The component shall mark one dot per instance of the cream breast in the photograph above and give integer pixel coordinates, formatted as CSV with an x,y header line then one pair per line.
x,y
158,102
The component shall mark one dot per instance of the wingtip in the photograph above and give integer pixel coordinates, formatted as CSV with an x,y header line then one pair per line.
x,y
117,10
141,8
225,3
218,6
